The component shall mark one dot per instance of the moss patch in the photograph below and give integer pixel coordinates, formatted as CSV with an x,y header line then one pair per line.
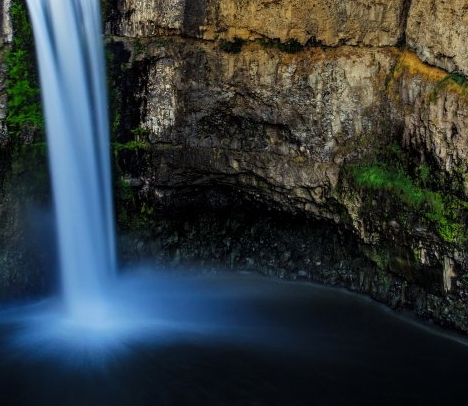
x,y
24,105
444,212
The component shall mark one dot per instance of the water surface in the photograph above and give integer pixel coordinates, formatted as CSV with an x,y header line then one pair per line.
x,y
226,339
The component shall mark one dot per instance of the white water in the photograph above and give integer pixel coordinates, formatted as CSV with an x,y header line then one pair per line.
x,y
70,53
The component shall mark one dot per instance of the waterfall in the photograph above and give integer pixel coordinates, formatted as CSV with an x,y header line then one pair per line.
x,y
70,55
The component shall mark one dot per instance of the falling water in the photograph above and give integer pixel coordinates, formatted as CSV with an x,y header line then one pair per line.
x,y
71,63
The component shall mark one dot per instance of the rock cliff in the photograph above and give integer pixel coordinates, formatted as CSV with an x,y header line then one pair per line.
x,y
310,107
436,31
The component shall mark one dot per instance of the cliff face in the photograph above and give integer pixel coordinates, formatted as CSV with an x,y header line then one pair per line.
x,y
329,23
260,116
299,105
437,30
324,95
5,22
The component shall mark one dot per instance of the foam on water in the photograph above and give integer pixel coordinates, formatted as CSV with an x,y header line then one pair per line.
x,y
139,308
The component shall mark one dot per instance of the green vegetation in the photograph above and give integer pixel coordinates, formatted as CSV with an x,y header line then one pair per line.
x,y
397,182
25,161
458,78
453,80
290,46
232,47
140,132
24,105
138,47
441,210
128,146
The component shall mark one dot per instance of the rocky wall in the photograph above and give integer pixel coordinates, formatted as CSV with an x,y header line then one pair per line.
x,y
215,101
330,23
437,32
286,121
5,22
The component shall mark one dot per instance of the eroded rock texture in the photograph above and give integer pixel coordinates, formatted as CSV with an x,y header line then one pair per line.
x,y
437,31
261,117
331,23
5,22
286,125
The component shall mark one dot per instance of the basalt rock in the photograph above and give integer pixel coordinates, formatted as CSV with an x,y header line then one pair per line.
x,y
277,123
330,23
437,31
278,101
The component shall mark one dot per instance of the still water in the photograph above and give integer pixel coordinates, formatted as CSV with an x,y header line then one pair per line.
x,y
227,339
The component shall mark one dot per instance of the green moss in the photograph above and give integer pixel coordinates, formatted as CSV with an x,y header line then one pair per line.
x,y
454,82
24,104
380,258
458,78
232,47
444,212
416,254
394,181
24,161
138,46
128,146
423,173
140,132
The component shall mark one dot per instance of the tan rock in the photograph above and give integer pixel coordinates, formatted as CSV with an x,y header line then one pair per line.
x,y
365,22
438,31
144,18
6,28
328,22
434,112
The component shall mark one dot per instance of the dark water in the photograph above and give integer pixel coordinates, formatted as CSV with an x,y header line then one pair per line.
x,y
235,340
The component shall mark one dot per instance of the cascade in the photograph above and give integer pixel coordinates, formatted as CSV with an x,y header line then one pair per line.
x,y
70,53
205,340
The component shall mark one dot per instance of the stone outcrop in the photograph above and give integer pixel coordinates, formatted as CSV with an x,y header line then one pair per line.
x,y
434,109
260,116
5,22
215,101
330,23
437,31
141,18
